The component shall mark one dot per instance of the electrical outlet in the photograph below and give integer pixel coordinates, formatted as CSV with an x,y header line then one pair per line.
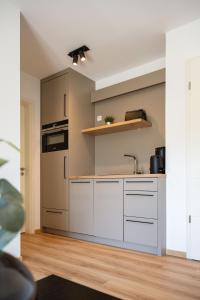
x,y
99,118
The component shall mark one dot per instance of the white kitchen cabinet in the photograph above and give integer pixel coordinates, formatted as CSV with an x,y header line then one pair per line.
x,y
108,208
81,206
144,214
124,212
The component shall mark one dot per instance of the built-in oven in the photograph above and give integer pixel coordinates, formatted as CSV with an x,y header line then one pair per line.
x,y
55,136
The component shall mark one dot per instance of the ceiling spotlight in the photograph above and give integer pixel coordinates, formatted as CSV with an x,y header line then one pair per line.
x,y
75,60
78,52
82,56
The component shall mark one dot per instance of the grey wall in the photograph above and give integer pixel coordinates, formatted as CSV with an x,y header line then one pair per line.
x,y
109,149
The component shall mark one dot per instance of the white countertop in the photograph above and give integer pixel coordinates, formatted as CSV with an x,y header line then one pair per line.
x,y
118,176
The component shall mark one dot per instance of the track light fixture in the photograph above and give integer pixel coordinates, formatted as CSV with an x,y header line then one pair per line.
x,y
82,56
78,52
75,60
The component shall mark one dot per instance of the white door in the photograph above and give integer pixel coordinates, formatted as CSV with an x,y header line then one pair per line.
x,y
193,160
24,159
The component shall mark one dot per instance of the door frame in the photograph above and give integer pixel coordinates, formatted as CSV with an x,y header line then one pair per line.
x,y
29,203
188,227
188,202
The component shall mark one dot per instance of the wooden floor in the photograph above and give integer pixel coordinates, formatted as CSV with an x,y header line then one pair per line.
x,y
122,273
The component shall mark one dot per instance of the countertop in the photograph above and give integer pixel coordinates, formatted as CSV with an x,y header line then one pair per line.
x,y
119,176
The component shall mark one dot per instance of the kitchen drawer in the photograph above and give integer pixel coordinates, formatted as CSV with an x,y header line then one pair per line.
x,y
140,184
56,219
140,204
140,231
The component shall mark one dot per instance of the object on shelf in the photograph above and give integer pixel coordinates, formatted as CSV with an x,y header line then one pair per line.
x,y
109,120
135,114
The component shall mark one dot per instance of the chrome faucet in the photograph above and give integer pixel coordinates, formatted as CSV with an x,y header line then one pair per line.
x,y
135,162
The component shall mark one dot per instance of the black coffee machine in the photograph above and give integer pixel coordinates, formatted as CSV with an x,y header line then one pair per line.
x,y
157,161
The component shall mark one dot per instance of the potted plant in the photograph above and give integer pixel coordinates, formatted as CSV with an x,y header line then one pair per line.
x,y
109,120
16,282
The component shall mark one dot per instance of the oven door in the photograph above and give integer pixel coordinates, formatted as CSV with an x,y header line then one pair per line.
x,y
55,141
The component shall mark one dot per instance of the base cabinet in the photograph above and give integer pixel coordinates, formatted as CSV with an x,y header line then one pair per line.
x,y
108,209
81,206
55,219
128,213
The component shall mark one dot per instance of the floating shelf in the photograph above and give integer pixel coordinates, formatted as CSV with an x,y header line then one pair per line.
x,y
117,127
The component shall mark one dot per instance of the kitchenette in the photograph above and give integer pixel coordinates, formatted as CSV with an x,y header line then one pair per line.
x,y
103,160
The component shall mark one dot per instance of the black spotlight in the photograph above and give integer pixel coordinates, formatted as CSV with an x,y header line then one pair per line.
x,y
78,52
75,60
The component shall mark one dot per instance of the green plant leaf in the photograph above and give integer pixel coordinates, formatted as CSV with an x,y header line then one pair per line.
x,y
5,238
109,119
2,162
9,192
10,144
11,212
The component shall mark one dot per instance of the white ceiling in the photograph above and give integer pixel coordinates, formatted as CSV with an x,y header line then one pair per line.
x,y
122,34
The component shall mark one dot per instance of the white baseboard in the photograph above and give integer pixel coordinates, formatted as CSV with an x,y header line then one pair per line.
x,y
181,254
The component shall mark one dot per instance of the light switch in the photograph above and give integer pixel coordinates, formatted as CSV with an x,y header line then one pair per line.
x,y
99,118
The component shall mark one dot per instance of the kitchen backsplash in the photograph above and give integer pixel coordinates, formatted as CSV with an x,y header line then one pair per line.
x,y
110,148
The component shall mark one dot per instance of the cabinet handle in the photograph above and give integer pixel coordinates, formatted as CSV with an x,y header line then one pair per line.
x,y
143,222
65,115
80,181
141,181
65,167
54,212
110,181
148,195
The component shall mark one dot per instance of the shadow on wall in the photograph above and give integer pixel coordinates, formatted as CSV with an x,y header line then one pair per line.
x,y
34,52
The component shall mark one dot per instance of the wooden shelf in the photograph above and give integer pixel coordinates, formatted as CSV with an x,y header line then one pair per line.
x,y
117,127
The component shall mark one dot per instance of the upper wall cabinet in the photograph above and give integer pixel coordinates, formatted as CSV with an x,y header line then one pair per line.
x,y
54,99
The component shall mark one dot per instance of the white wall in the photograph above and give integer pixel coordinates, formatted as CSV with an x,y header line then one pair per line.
x,y
30,94
131,73
10,97
182,44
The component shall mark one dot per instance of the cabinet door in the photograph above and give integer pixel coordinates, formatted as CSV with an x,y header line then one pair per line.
x,y
81,206
108,209
54,172
141,231
54,99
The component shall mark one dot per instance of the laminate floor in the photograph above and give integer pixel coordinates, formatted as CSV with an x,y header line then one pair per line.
x,y
122,273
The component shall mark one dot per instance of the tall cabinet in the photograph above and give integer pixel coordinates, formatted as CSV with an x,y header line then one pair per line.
x,y
54,101
65,96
